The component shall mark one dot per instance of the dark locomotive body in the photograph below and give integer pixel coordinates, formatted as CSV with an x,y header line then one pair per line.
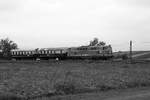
x,y
83,52
90,52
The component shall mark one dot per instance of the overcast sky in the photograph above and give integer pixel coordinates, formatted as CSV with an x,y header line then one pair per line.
x,y
64,23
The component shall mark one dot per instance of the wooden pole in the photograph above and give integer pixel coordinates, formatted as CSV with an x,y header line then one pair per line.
x,y
130,50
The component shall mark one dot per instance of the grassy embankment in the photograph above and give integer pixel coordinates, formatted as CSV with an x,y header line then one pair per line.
x,y
70,77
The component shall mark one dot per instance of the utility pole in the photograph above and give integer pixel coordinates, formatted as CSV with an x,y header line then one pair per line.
x,y
130,50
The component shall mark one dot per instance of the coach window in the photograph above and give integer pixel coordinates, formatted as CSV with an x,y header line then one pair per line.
x,y
45,52
12,53
63,51
93,48
100,51
58,51
85,48
42,52
104,48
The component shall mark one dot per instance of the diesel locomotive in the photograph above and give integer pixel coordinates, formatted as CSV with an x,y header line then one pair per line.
x,y
82,52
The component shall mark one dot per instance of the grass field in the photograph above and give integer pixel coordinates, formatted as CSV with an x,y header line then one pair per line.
x,y
32,79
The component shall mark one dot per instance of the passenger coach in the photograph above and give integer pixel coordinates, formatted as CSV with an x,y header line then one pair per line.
x,y
44,54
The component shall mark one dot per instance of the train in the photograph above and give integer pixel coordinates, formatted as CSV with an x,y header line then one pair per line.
x,y
81,52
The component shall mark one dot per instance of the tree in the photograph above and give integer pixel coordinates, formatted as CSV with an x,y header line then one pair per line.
x,y
6,46
96,42
101,43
